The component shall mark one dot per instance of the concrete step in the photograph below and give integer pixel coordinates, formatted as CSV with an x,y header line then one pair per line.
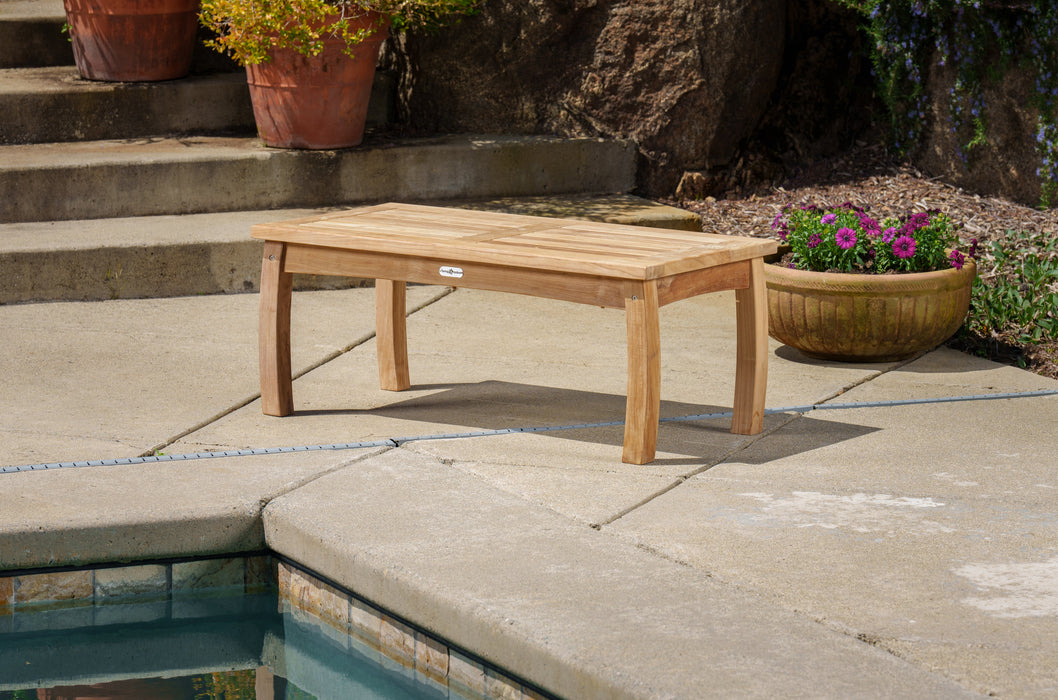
x,y
201,174
121,190
31,34
53,104
167,256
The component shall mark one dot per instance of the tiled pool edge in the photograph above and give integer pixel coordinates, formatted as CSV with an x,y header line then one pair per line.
x,y
34,589
401,644
396,639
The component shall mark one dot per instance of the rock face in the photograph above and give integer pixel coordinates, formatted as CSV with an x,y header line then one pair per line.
x,y
687,80
1006,163
718,95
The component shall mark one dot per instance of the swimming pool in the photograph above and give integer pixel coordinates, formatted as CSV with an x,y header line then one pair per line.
x,y
251,629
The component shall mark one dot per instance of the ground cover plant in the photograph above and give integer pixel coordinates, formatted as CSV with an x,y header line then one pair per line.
x,y
1014,309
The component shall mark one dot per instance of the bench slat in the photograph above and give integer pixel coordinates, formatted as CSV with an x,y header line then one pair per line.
x,y
516,241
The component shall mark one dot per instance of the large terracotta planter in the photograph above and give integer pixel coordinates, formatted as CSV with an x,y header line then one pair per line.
x,y
316,102
132,40
866,318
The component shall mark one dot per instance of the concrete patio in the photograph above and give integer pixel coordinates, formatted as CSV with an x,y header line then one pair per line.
x,y
888,550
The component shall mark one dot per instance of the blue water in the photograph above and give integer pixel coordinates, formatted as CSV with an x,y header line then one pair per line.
x,y
224,646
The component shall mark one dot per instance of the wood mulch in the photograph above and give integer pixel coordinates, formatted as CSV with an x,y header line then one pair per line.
x,y
869,178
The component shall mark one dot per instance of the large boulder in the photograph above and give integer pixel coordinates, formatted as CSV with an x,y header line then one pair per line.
x,y
1006,163
687,80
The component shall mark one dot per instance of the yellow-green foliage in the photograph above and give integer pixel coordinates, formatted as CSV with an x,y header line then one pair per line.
x,y
247,30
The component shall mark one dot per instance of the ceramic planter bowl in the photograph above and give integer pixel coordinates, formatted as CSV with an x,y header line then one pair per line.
x,y
866,318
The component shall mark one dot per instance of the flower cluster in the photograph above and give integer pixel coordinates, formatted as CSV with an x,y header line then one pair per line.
x,y
847,239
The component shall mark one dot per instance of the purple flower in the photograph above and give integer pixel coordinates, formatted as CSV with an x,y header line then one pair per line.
x,y
869,225
957,259
973,248
889,234
814,240
845,237
917,221
828,218
904,247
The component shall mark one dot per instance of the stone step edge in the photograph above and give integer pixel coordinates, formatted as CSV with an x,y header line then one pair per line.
x,y
193,254
53,105
145,177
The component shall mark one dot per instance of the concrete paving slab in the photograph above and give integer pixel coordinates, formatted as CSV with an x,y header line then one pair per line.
x,y
82,516
889,551
119,379
575,610
928,530
698,350
564,365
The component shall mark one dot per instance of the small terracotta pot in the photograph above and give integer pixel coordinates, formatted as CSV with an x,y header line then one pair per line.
x,y
132,40
866,318
316,102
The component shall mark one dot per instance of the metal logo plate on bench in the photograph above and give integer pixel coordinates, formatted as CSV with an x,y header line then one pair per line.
x,y
451,271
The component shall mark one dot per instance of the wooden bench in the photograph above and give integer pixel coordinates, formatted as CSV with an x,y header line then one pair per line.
x,y
608,265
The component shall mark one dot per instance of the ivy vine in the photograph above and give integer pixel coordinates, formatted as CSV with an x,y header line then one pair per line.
x,y
980,40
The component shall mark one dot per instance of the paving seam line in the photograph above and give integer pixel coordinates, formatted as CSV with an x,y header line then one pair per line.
x,y
684,478
315,365
398,441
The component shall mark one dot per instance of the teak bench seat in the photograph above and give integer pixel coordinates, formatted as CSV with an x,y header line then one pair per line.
x,y
609,265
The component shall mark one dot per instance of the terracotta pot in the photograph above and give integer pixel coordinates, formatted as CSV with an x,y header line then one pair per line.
x,y
316,102
132,40
866,318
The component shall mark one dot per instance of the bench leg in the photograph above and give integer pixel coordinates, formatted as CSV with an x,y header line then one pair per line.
x,y
277,394
391,334
643,408
751,365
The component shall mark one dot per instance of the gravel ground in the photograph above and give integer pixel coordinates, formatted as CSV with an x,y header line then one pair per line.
x,y
870,179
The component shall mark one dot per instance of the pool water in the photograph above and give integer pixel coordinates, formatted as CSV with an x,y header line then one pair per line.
x,y
220,645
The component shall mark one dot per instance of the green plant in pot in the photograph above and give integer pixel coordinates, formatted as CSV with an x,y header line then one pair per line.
x,y
310,64
856,289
